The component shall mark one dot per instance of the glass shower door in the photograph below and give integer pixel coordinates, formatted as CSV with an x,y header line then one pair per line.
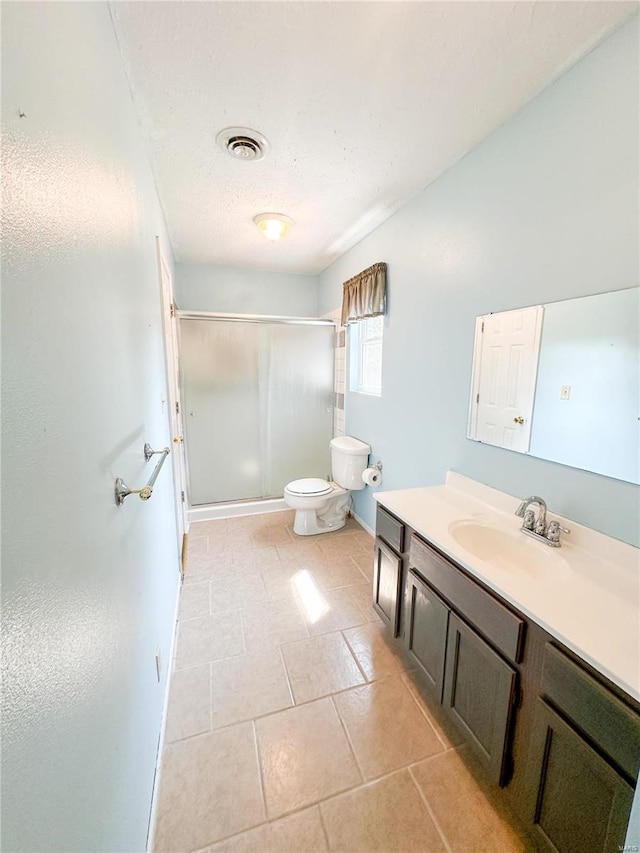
x,y
220,394
297,404
258,406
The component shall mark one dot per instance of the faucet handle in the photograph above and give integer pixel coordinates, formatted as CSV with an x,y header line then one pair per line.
x,y
529,519
554,530
541,525
521,508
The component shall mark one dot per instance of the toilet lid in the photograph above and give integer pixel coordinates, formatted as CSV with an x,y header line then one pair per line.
x,y
309,486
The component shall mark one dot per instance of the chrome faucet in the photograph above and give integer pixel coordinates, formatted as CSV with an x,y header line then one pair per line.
x,y
538,527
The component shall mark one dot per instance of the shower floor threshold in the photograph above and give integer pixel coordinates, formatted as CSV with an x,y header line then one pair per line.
x,y
210,512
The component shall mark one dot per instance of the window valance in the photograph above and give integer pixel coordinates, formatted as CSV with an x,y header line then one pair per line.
x,y
364,295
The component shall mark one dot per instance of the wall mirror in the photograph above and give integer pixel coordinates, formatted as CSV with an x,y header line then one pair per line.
x,y
561,381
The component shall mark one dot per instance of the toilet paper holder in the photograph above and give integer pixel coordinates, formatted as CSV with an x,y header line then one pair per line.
x,y
372,476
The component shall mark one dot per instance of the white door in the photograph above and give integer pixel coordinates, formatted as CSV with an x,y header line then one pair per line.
x,y
505,382
173,389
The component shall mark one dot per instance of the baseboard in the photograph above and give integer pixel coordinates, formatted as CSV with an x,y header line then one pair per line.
x,y
163,729
369,530
211,512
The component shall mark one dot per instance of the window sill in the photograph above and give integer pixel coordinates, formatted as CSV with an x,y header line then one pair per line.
x,y
367,393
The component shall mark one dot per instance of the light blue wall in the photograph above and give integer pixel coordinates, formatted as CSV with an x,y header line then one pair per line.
x,y
237,291
545,209
89,589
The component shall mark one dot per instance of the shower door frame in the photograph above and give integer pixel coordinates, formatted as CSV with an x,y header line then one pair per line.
x,y
240,506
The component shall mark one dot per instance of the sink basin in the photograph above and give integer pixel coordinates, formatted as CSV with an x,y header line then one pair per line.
x,y
507,550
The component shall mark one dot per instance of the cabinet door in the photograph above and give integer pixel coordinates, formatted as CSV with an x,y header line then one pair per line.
x,y
577,801
426,633
479,691
387,577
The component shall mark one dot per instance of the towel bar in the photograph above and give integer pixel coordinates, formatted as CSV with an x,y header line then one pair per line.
x,y
121,488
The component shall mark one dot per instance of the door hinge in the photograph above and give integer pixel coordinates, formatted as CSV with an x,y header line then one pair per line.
x,y
177,408
477,398
182,496
172,310
482,329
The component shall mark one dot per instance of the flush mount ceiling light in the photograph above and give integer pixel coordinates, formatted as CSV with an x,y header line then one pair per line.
x,y
273,226
242,143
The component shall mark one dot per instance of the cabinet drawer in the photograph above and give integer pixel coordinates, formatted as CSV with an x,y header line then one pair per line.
x,y
390,529
497,623
608,722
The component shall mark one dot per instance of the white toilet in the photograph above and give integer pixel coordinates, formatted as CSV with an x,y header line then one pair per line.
x,y
321,506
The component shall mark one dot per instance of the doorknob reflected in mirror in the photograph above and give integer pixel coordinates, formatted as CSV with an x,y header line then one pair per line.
x,y
518,420
178,439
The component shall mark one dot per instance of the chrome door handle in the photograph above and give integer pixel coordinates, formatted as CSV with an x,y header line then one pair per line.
x,y
518,420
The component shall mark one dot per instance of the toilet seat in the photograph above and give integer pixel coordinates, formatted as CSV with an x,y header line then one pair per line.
x,y
312,486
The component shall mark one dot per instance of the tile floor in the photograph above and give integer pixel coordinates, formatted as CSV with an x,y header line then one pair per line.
x,y
293,722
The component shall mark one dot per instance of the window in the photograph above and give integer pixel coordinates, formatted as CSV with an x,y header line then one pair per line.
x,y
365,355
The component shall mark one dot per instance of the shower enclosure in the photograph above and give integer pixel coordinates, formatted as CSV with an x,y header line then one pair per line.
x,y
257,398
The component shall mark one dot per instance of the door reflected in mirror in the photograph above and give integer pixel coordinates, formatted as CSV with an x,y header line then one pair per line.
x,y
562,382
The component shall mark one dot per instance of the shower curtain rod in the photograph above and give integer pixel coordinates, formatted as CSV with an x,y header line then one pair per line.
x,y
252,318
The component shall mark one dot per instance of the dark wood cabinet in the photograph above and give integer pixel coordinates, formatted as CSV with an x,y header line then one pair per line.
x,y
577,801
387,584
561,740
479,691
426,632
456,633
388,578
462,672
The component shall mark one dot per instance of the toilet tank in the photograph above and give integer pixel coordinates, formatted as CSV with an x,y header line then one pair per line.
x,y
348,461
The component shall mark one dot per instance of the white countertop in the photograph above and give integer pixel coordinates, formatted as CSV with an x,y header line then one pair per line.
x,y
591,604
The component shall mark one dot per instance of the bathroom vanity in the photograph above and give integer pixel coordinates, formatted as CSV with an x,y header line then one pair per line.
x,y
533,652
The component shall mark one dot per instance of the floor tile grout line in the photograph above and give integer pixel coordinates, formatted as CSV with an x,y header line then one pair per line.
x,y
272,713
208,661
431,813
358,567
242,720
354,655
211,729
324,827
411,693
348,737
244,642
368,783
268,821
260,768
286,675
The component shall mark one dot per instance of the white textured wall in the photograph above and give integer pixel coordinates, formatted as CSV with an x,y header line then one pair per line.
x,y
544,209
88,588
236,291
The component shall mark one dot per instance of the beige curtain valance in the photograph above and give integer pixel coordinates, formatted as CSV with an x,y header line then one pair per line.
x,y
364,295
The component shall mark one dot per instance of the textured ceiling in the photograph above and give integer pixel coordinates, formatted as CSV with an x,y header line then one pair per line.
x,y
364,104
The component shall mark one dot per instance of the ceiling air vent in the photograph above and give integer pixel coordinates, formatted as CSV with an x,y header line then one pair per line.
x,y
242,143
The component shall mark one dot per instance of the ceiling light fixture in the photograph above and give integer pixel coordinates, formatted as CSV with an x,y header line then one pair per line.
x,y
273,226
